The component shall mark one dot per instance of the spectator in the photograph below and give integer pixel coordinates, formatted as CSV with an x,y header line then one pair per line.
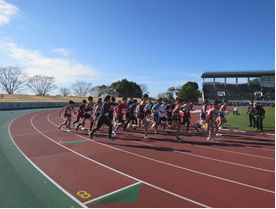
x,y
251,112
260,115
235,110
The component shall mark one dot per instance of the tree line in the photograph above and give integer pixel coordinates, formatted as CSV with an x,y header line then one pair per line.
x,y
14,80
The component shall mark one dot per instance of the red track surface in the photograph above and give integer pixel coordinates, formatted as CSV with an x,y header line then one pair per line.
x,y
236,170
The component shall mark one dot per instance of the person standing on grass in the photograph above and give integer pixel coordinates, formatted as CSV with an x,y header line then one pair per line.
x,y
80,111
104,118
251,112
235,110
260,115
67,115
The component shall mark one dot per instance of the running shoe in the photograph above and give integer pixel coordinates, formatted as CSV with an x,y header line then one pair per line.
x,y
146,137
77,128
156,132
69,130
128,125
178,139
83,128
111,139
59,127
152,126
114,133
218,134
90,135
209,139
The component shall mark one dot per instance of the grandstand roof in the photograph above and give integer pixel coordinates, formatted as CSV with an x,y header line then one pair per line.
x,y
234,74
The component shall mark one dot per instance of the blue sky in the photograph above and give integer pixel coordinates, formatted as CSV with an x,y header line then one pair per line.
x,y
160,43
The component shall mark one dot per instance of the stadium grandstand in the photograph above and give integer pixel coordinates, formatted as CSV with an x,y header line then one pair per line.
x,y
239,86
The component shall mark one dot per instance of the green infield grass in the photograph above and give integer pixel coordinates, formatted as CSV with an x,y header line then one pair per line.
x,y
241,121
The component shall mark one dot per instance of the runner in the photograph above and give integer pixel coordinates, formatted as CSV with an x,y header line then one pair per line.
x,y
120,110
129,105
177,119
103,118
142,114
98,107
131,115
155,114
67,115
221,116
112,108
80,111
162,115
211,118
186,115
88,112
169,110
203,122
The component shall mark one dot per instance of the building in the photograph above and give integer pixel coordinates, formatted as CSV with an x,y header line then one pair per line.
x,y
244,85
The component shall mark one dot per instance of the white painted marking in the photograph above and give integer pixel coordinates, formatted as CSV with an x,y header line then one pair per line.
x,y
118,190
44,174
117,171
214,159
172,165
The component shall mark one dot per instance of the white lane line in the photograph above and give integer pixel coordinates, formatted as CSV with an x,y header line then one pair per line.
x,y
118,190
209,158
222,150
117,171
32,133
44,174
172,165
235,130
201,156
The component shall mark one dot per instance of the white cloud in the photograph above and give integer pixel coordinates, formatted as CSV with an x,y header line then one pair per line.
x,y
61,51
6,12
64,70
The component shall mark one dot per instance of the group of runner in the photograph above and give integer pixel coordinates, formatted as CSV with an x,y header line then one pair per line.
x,y
131,114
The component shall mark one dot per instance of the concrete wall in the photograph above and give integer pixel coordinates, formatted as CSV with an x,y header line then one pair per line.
x,y
30,105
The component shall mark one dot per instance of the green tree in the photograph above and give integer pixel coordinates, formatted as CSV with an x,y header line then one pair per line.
x,y
189,91
125,88
170,93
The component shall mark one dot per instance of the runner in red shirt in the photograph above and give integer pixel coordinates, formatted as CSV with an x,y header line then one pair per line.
x,y
120,112
67,115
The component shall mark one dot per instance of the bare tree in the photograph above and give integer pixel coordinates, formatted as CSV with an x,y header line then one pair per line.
x,y
12,79
144,88
41,85
162,95
102,91
64,92
81,88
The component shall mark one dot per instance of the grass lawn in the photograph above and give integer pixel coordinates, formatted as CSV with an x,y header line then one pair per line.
x,y
242,121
